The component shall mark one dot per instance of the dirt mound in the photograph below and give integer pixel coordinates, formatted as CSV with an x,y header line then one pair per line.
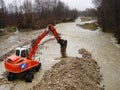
x,y
72,73
84,53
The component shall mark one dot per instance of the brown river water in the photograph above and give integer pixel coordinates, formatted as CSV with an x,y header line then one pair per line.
x,y
101,45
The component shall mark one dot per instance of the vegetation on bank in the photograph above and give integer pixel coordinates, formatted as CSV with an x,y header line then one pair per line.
x,y
91,26
108,15
7,30
35,15
86,19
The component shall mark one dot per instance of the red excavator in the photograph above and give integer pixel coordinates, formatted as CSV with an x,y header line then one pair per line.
x,y
22,61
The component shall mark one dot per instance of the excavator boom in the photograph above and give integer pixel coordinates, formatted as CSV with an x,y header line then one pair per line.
x,y
34,46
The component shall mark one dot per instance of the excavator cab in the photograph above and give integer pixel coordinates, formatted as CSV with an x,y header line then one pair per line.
x,y
22,52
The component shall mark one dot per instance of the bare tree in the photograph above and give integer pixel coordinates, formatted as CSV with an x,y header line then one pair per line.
x,y
2,14
108,13
36,14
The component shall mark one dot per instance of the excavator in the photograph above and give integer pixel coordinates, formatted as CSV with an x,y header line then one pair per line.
x,y
23,63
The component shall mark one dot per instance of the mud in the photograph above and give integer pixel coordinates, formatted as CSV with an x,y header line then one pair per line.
x,y
72,73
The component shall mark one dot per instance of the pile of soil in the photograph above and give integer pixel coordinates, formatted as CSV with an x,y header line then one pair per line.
x,y
72,73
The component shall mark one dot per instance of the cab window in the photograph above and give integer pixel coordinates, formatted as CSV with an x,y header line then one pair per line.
x,y
23,53
27,53
17,52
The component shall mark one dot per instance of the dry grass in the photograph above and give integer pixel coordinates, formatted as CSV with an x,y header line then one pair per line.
x,y
86,18
7,30
90,26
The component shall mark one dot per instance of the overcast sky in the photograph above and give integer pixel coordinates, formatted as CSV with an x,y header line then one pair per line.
x,y
78,4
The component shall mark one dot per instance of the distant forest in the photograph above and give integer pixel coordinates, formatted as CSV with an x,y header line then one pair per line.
x,y
40,13
35,15
108,14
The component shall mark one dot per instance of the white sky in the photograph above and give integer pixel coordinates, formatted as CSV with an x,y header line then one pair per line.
x,y
12,1
78,4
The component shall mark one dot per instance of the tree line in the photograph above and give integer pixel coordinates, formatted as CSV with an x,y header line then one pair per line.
x,y
35,15
88,12
108,14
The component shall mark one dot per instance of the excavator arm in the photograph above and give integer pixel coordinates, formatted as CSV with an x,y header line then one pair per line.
x,y
35,43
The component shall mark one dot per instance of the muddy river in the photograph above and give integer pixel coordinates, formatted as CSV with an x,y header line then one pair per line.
x,y
101,45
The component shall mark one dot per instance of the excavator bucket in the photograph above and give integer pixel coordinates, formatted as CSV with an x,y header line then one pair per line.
x,y
63,46
62,42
